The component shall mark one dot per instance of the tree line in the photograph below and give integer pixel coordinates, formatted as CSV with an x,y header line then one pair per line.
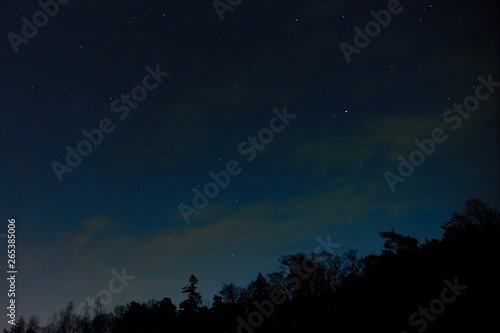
x,y
411,286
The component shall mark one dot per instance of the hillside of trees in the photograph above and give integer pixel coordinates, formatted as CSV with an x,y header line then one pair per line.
x,y
446,285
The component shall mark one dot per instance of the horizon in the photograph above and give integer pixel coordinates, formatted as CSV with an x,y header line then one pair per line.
x,y
335,249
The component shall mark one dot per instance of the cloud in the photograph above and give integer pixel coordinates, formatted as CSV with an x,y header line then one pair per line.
x,y
97,222
80,239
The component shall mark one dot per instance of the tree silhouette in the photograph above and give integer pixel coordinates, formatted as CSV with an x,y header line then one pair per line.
x,y
193,301
137,318
397,243
297,278
277,282
230,293
20,326
33,325
217,301
68,320
259,288
476,216
334,271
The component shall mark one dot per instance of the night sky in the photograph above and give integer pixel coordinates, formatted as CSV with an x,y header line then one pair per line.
x,y
178,95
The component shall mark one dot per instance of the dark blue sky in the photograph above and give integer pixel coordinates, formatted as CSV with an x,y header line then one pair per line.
x,y
321,174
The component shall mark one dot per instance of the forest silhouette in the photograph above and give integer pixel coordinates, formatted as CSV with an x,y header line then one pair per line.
x,y
446,285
